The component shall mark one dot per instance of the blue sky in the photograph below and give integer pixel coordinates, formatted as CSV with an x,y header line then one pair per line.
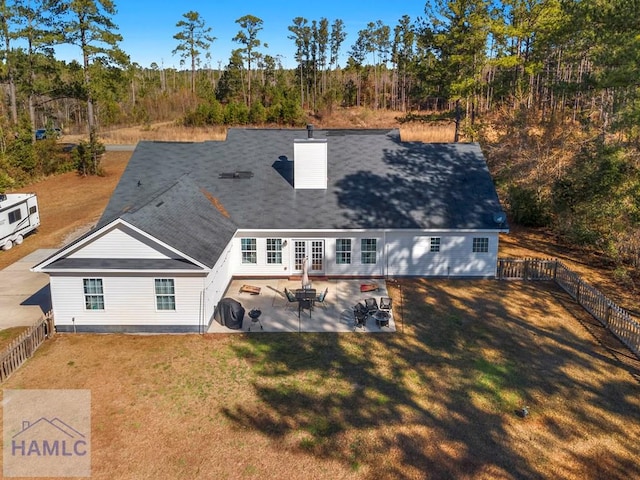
x,y
148,26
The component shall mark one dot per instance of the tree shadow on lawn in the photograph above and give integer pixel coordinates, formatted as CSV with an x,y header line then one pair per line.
x,y
439,400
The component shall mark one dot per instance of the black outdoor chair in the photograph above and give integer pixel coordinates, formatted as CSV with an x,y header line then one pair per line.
x,y
291,298
305,297
360,315
370,304
385,304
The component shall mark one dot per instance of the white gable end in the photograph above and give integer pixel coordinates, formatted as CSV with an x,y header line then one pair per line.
x,y
121,242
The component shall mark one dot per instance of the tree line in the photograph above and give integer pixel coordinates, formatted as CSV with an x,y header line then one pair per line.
x,y
558,65
576,57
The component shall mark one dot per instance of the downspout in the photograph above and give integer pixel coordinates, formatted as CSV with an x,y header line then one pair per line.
x,y
386,254
202,297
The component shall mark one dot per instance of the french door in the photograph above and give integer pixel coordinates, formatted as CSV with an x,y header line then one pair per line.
x,y
311,249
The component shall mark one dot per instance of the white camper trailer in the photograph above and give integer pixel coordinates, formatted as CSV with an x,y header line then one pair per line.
x,y
18,216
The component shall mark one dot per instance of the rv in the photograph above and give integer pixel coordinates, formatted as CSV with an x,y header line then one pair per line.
x,y
18,216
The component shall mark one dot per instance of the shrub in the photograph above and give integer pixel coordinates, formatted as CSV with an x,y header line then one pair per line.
x,y
527,208
87,156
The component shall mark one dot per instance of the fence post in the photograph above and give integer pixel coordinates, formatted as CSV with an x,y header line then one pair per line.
x,y
607,315
579,283
526,269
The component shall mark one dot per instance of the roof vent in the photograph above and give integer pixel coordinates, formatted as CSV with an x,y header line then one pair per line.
x,y
309,131
236,174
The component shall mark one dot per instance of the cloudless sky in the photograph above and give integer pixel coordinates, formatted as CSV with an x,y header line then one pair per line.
x,y
148,27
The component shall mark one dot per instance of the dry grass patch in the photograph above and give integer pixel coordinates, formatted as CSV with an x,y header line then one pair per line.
x,y
426,133
437,401
339,118
164,131
8,335
69,204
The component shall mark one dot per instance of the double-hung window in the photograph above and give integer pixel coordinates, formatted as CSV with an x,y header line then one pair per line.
x,y
249,250
343,251
368,250
434,246
480,245
274,250
165,294
93,294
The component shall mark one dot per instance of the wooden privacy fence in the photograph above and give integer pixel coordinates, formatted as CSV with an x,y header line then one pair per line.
x,y
23,347
617,320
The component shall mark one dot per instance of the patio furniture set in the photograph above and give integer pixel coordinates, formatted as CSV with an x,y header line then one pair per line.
x,y
381,313
306,298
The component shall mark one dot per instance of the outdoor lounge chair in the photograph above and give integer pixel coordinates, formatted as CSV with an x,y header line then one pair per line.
x,y
321,298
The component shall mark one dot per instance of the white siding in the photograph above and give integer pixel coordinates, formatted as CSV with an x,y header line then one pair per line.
x,y
217,281
129,300
121,242
409,254
406,253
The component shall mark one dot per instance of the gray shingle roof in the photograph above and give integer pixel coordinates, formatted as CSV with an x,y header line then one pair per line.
x,y
173,190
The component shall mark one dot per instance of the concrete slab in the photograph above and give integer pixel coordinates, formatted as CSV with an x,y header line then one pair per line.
x,y
24,295
280,315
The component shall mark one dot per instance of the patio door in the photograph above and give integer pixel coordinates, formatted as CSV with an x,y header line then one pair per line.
x,y
314,249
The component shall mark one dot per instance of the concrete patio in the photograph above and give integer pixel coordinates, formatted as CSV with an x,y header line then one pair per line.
x,y
280,315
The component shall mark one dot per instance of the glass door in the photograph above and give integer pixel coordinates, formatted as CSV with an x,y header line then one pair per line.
x,y
313,250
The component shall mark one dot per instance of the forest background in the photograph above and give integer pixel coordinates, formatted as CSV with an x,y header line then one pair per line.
x,y
550,89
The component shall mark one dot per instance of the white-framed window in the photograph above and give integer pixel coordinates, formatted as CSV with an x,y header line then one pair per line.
x,y
343,251
434,244
368,250
480,245
274,250
14,216
93,294
249,250
165,294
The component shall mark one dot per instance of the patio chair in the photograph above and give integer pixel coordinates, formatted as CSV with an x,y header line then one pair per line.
x,y
321,298
291,298
371,305
385,304
360,315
